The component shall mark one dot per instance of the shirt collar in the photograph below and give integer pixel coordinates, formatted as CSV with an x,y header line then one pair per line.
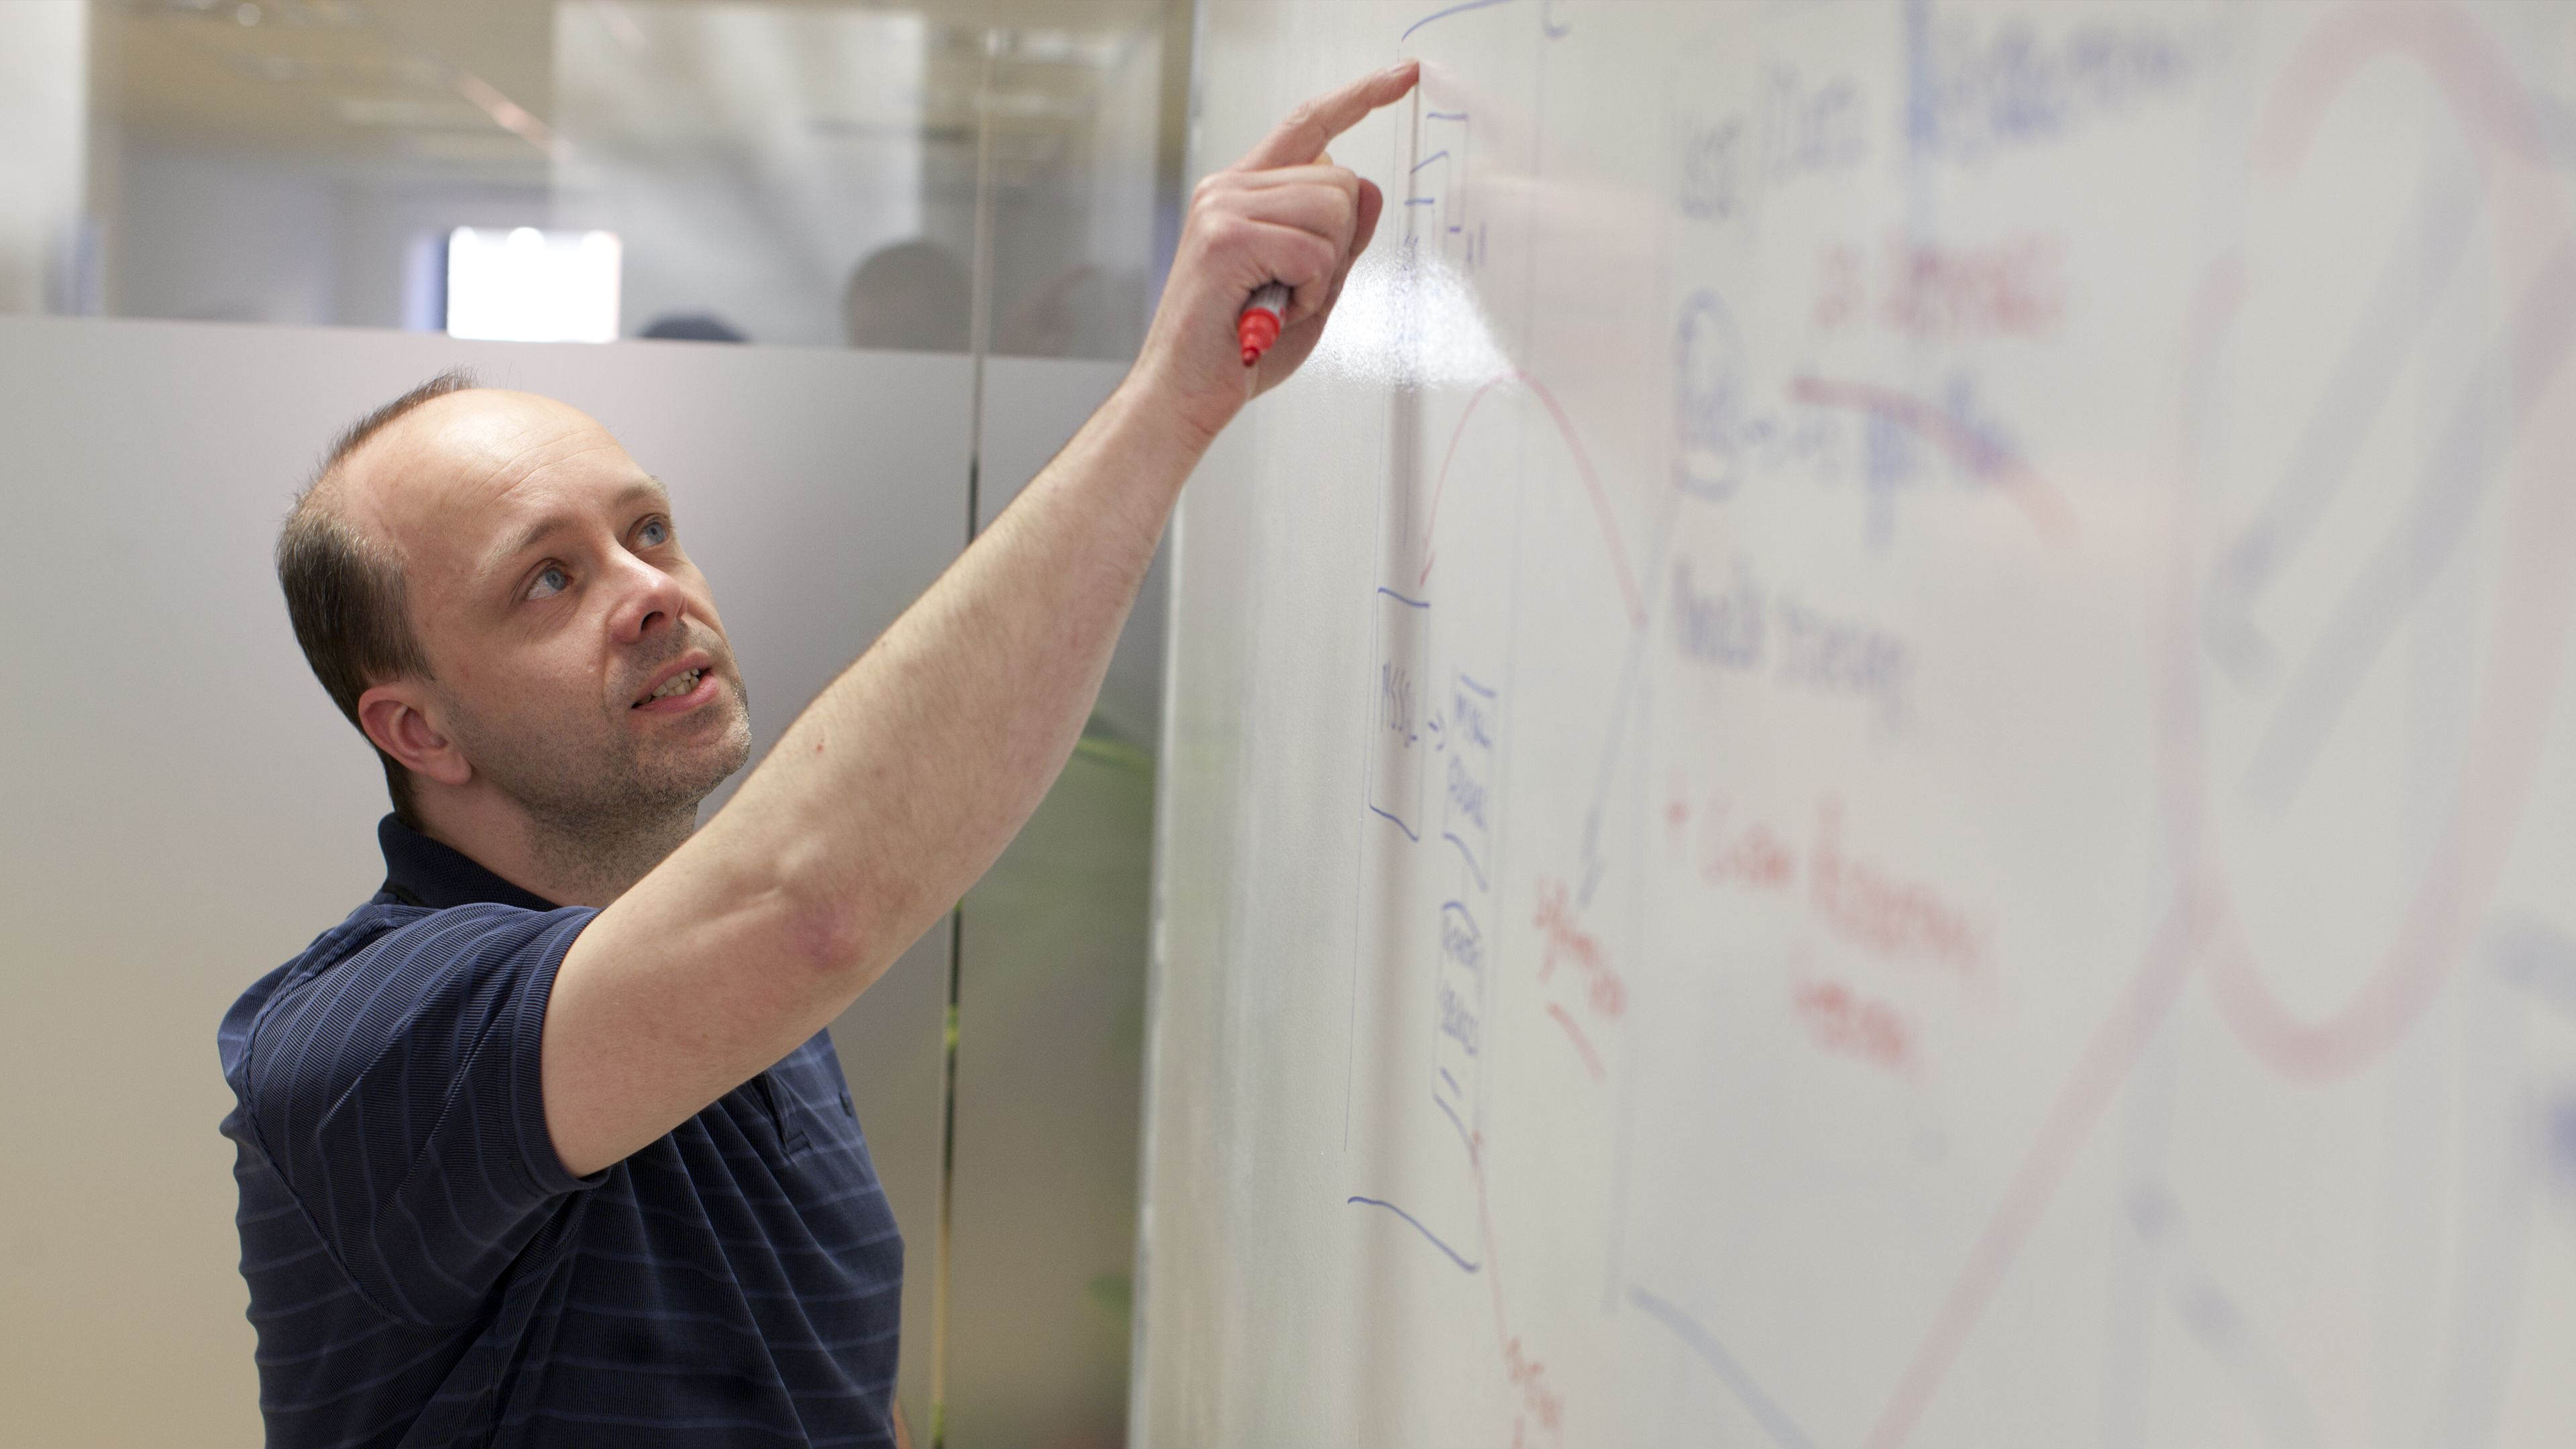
x,y
420,871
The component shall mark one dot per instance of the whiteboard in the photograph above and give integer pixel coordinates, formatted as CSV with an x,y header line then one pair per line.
x,y
1883,755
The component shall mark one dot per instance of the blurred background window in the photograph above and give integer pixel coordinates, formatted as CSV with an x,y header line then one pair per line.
x,y
796,173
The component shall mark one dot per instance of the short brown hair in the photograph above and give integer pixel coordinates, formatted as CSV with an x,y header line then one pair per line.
x,y
345,593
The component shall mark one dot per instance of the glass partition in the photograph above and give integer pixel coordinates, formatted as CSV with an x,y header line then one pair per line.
x,y
802,174
989,178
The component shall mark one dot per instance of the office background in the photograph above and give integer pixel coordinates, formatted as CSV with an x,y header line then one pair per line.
x,y
227,229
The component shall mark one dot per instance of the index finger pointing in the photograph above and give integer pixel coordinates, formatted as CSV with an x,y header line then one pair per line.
x,y
1311,127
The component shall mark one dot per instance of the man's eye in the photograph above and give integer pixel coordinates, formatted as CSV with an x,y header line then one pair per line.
x,y
551,580
654,534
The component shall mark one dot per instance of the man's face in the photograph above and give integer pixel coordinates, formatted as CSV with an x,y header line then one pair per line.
x,y
580,666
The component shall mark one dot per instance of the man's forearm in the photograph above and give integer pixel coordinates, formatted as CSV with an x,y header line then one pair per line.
x,y
878,807
905,778
903,781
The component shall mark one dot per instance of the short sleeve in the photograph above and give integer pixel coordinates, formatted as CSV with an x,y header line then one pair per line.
x,y
399,1095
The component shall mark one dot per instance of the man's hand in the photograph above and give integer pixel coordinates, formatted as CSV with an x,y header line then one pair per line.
x,y
1283,213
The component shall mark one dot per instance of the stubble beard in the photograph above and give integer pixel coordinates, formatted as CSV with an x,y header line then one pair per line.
x,y
602,808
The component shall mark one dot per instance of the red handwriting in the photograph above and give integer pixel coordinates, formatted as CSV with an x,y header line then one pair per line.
x,y
1582,1043
1879,913
1753,857
1564,940
1538,1401
1861,903
1842,1020
2008,288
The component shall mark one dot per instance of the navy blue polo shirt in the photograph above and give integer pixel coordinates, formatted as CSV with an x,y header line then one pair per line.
x,y
424,1272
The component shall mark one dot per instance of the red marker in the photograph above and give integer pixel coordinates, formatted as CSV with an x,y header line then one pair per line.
x,y
1258,325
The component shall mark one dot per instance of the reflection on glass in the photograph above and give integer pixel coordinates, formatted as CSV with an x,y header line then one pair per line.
x,y
754,153
788,173
914,296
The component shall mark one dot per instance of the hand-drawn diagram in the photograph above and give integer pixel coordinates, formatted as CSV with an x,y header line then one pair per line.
x,y
1436,215
1405,733
1966,828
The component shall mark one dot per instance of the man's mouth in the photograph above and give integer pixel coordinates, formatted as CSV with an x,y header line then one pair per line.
x,y
677,685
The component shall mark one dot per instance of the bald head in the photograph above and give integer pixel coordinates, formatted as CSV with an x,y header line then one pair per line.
x,y
493,591
445,464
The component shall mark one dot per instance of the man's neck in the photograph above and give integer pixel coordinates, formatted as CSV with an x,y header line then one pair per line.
x,y
572,863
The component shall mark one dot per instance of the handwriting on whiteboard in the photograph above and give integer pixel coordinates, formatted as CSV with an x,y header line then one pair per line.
x,y
1740,627
1801,127
2008,87
1852,898
2014,287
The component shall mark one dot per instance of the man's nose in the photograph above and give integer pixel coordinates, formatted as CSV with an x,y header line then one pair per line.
x,y
647,599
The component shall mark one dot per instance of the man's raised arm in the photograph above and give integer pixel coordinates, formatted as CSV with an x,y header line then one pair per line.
x,y
902,782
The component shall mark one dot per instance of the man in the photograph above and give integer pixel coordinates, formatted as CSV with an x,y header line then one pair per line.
x,y
545,1144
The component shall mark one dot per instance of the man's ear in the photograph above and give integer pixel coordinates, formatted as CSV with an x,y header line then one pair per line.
x,y
396,717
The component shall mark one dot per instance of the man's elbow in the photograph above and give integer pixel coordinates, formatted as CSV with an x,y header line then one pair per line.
x,y
838,935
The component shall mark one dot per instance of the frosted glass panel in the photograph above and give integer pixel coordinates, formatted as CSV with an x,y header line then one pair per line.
x,y
802,174
755,153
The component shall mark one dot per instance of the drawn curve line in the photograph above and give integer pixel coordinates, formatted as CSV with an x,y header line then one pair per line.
x,y
1583,463
1473,869
2096,1080
2046,508
1445,14
1428,1235
1775,1422
1582,1043
1399,824
1451,1113
2533,610
2447,495
2411,280
2200,924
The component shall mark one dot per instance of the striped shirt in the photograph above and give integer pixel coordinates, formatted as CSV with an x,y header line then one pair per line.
x,y
423,1270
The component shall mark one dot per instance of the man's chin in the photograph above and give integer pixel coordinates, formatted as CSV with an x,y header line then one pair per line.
x,y
671,759
710,756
